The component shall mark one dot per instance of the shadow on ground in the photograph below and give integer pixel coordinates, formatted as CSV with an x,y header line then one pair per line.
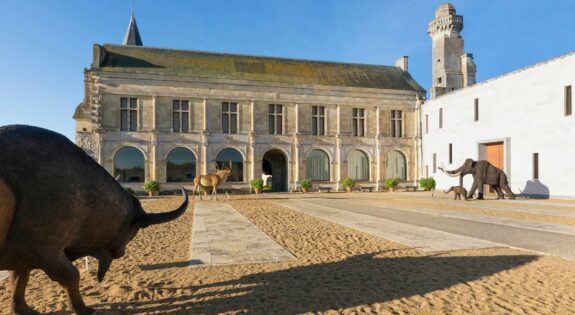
x,y
359,280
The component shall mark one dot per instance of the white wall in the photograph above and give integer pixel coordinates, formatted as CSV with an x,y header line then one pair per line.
x,y
526,109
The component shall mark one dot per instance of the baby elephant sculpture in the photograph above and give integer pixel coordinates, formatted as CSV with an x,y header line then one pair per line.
x,y
57,205
458,191
484,173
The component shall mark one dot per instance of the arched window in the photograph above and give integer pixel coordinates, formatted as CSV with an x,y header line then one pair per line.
x,y
181,165
396,166
358,166
317,165
129,165
231,155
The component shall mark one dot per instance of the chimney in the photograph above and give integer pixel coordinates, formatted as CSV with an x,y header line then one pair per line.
x,y
402,63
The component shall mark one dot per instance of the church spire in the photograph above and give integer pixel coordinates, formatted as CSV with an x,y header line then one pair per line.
x,y
132,36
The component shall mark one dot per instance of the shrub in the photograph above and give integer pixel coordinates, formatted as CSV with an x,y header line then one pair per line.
x,y
348,182
427,183
391,183
152,186
306,184
257,183
130,191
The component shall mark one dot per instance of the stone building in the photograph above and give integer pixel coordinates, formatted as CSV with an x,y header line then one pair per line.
x,y
168,115
521,121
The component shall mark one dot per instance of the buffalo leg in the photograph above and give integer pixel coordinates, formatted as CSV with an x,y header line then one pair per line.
x,y
19,281
61,270
508,191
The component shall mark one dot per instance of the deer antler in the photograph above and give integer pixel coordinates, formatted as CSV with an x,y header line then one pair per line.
x,y
217,166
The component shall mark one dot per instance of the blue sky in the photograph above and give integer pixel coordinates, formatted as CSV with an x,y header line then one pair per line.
x,y
46,44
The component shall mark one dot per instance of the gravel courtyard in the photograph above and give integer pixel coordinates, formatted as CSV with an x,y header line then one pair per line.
x,y
336,270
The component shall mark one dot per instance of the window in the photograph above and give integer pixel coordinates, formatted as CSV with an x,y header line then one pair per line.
x,y
439,80
358,166
396,166
396,123
227,156
568,101
275,119
426,170
426,124
441,118
128,114
535,166
358,122
450,153
434,163
317,165
476,110
129,165
318,120
181,165
229,117
181,116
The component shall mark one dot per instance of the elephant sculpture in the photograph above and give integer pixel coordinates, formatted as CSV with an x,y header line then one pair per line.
x,y
484,173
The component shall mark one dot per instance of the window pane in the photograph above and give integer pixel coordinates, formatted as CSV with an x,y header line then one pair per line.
x,y
270,108
321,126
123,102
361,112
176,122
354,127
279,127
185,122
129,165
314,126
354,112
225,107
225,123
185,105
181,166
124,120
360,127
233,107
271,124
176,105
393,128
400,128
314,110
133,103
234,123
224,157
321,110
279,109
133,120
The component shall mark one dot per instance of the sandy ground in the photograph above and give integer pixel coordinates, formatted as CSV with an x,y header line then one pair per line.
x,y
339,270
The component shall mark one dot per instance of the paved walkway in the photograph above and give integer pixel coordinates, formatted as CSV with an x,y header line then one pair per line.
x,y
538,237
413,236
222,236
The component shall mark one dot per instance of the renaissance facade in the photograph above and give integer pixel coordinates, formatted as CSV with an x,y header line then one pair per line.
x,y
169,115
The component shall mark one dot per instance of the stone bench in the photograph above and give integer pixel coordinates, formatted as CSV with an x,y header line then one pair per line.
x,y
324,188
412,187
366,188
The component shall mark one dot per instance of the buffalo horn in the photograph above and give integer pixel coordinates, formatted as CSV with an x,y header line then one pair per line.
x,y
158,218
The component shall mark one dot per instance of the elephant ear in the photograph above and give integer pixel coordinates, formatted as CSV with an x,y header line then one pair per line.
x,y
473,164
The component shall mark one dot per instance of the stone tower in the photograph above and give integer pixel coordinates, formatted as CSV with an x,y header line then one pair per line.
x,y
452,68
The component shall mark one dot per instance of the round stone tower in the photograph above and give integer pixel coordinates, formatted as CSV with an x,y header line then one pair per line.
x,y
452,68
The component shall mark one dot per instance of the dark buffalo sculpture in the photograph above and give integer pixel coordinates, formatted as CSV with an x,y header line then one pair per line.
x,y
57,205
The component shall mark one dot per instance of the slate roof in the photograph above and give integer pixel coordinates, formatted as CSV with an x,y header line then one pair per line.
x,y
132,36
149,60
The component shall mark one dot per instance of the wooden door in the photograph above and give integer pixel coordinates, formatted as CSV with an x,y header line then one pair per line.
x,y
494,155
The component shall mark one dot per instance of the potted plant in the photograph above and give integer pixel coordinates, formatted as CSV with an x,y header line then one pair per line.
x,y
152,188
305,185
427,183
257,184
348,184
391,183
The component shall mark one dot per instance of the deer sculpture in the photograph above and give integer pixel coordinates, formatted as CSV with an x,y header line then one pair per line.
x,y
212,180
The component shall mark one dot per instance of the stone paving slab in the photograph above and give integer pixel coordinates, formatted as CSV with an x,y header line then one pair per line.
x,y
524,224
222,236
419,237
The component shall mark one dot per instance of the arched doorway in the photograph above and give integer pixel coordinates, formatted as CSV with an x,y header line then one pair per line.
x,y
274,163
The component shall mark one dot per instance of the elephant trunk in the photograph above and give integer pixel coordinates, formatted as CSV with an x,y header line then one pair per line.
x,y
455,173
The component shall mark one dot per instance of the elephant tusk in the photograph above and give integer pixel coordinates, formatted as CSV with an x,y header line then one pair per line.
x,y
442,168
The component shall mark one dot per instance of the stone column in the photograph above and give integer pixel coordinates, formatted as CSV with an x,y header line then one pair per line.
x,y
295,157
205,135
337,163
153,158
377,154
154,113
251,143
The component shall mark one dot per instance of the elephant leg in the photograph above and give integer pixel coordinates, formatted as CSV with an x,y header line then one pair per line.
x,y
61,270
508,191
480,187
19,281
499,192
472,190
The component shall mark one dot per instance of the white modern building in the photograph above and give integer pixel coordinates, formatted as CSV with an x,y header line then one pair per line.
x,y
521,122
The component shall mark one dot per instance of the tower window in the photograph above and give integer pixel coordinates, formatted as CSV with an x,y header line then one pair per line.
x,y
434,163
441,118
568,101
476,110
439,80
